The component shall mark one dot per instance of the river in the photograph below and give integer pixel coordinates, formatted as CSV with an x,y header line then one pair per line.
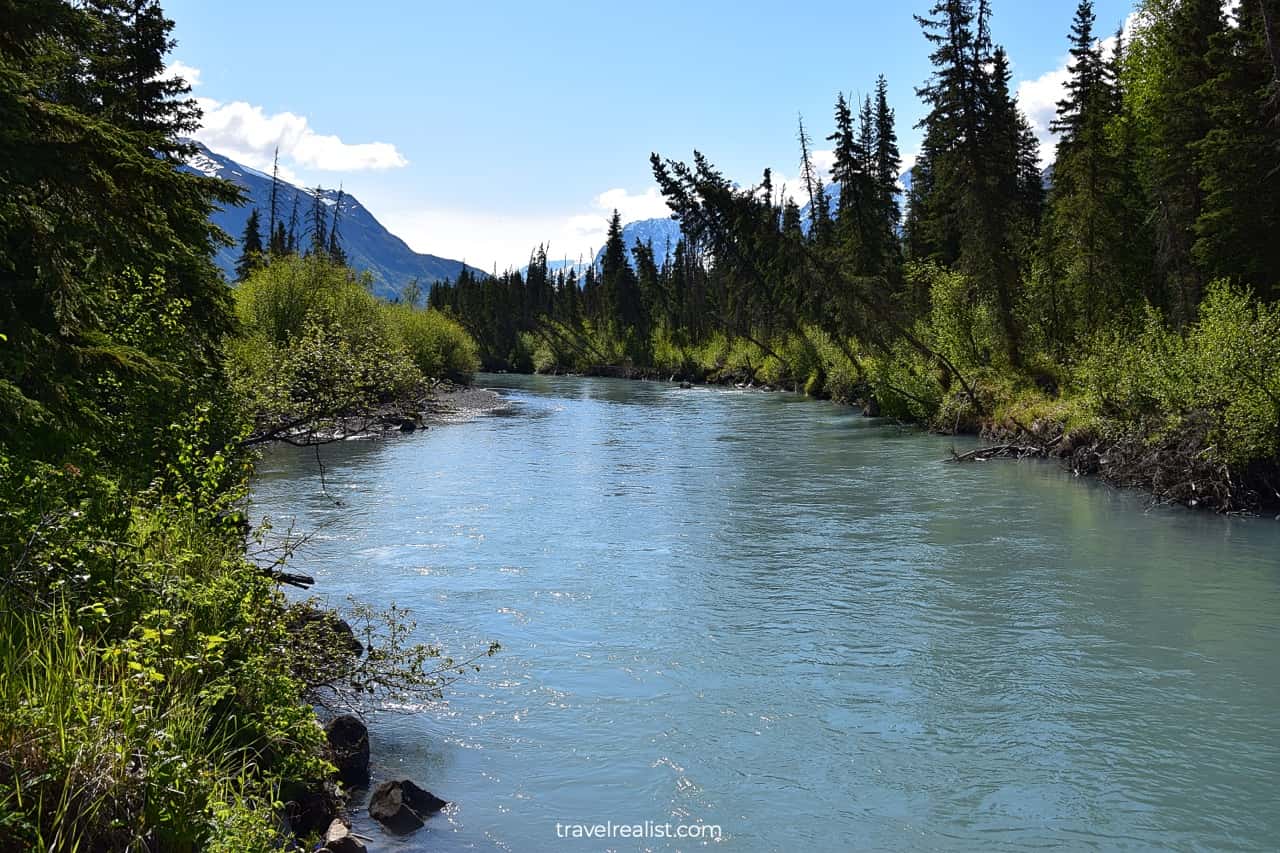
x,y
771,615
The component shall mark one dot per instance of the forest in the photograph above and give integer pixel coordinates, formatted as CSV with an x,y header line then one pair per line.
x,y
157,691
1117,309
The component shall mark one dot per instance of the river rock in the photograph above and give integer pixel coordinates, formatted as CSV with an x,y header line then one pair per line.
x,y
349,744
338,839
402,806
304,618
310,809
686,384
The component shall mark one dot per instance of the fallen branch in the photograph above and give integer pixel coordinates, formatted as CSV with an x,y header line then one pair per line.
x,y
290,578
999,451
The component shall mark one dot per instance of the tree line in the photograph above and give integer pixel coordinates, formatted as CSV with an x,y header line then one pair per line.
x,y
319,236
992,288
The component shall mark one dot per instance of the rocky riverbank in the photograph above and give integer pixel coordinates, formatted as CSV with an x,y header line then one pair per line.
x,y
442,403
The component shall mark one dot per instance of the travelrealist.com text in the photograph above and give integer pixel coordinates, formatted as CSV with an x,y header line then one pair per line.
x,y
646,829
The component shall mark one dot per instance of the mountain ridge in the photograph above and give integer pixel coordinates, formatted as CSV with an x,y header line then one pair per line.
x,y
369,245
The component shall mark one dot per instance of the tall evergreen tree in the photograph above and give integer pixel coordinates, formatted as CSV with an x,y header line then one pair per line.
x,y
943,173
819,205
887,158
251,253
127,68
979,196
273,217
849,172
623,305
1170,61
93,223
291,244
279,240
319,227
1089,236
337,254
1238,229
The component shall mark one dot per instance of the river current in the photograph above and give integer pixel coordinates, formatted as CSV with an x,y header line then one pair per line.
x,y
775,617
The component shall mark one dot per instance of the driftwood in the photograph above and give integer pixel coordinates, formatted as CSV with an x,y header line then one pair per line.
x,y
998,451
290,578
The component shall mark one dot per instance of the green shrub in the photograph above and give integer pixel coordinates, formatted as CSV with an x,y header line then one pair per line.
x,y
146,691
315,343
438,345
838,376
1225,368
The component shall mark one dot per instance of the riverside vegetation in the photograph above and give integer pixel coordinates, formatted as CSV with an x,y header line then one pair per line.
x,y
1119,311
156,689
157,692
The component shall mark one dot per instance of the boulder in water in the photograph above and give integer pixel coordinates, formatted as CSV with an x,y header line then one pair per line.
x,y
349,745
338,839
402,806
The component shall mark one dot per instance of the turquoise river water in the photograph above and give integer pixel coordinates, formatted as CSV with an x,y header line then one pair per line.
x,y
776,617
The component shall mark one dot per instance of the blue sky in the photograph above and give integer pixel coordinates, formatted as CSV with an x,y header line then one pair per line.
x,y
477,129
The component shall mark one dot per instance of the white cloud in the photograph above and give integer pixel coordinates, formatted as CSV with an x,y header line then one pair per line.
x,y
1039,100
178,68
485,238
647,205
247,133
482,238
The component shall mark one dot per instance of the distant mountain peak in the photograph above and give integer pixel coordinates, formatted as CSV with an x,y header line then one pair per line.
x,y
368,244
663,233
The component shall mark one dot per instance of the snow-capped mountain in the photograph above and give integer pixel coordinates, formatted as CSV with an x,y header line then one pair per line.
x,y
369,245
663,234
553,267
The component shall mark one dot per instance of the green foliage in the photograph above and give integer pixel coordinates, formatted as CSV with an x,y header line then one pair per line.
x,y
393,665
1226,369
438,345
146,693
149,689
315,344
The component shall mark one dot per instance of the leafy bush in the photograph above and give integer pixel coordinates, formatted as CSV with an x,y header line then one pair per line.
x,y
438,345
1225,368
315,344
146,691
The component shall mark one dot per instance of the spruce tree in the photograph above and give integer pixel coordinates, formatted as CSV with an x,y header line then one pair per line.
x,y
944,171
848,171
251,253
623,305
1088,233
99,227
126,69
1172,52
1238,229
319,224
279,241
337,254
273,217
977,197
819,207
291,245
887,159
